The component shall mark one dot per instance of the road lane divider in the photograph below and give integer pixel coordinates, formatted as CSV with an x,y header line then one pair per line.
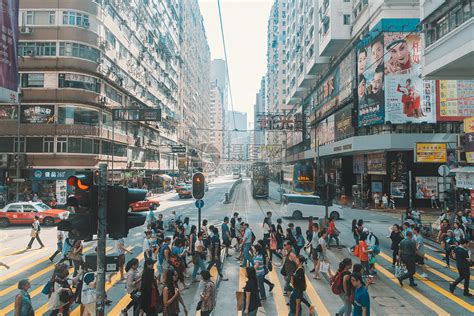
x,y
438,289
417,295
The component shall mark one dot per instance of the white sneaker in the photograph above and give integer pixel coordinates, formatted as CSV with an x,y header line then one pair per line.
x,y
424,276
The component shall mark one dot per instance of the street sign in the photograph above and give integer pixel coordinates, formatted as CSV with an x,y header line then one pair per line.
x,y
18,180
199,203
178,149
133,114
443,170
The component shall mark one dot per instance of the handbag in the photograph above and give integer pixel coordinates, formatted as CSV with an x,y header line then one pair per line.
x,y
324,268
74,256
400,269
239,296
33,233
199,305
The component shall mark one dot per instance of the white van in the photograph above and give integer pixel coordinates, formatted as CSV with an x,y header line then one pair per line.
x,y
297,206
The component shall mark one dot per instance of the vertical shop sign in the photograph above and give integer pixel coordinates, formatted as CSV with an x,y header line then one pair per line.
x,y
61,192
8,50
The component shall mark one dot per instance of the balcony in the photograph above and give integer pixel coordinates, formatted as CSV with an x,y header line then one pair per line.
x,y
445,29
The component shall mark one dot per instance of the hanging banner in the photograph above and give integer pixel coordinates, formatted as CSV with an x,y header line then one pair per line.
x,y
376,163
61,192
431,152
8,51
370,83
456,99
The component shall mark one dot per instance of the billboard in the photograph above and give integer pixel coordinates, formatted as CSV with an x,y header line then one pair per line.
x,y
407,97
455,99
37,114
431,152
325,131
426,187
370,83
8,112
343,123
376,163
8,51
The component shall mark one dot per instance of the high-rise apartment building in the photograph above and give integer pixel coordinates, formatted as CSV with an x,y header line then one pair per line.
x,y
219,76
216,137
78,60
259,110
194,77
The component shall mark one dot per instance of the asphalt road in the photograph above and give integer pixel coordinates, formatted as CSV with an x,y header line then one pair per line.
x,y
431,297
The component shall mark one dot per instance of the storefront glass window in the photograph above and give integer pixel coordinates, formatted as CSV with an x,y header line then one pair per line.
x,y
34,144
72,115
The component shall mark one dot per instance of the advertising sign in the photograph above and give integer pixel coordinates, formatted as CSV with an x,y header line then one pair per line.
x,y
465,180
61,192
136,114
407,97
343,123
469,147
431,152
325,131
397,189
8,51
8,112
182,162
426,187
376,163
370,83
37,114
469,125
456,99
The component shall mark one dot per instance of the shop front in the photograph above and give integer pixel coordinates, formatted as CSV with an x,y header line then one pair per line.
x,y
47,184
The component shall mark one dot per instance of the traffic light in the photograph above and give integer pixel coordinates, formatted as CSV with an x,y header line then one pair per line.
x,y
199,185
8,180
82,224
119,220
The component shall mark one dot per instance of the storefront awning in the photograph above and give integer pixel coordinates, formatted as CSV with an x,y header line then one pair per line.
x,y
467,169
165,177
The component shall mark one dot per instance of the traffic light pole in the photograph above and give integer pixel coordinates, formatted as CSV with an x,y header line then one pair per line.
x,y
101,242
199,219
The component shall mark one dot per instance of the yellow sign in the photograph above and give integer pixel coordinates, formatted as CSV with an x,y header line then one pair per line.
x,y
469,125
431,152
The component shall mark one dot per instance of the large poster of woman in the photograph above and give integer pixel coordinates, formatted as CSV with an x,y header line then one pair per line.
x,y
8,54
407,97
370,83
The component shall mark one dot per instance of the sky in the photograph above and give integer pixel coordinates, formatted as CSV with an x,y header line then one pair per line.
x,y
245,30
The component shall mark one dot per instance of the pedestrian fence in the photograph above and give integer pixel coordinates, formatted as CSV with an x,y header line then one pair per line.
x,y
228,195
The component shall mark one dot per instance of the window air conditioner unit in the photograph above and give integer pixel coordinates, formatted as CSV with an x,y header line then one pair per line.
x,y
26,30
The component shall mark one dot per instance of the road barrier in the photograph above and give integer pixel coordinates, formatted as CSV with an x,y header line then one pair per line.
x,y
228,195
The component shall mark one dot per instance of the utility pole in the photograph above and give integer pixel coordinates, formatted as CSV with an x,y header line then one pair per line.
x,y
410,199
17,158
101,242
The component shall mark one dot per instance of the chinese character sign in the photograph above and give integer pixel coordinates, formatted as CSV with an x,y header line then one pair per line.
x,y
431,152
456,99
407,97
8,53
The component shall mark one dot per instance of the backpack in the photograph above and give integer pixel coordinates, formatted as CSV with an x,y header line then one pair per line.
x,y
336,283
357,250
161,254
47,288
253,238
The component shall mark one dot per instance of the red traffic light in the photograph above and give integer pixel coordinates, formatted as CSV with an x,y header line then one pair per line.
x,y
198,185
82,181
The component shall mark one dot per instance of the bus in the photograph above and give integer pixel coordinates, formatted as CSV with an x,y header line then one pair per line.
x,y
297,179
259,180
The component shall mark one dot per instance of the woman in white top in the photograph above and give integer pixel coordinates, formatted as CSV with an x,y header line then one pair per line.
x,y
134,280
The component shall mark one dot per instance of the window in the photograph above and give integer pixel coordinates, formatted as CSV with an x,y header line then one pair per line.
x,y
113,94
79,50
72,115
111,39
22,144
37,49
14,209
52,17
75,18
48,144
61,145
74,145
347,19
83,146
32,80
79,82
29,208
34,144
6,144
30,17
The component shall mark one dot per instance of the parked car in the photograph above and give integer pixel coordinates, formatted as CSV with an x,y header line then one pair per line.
x,y
22,213
185,192
145,205
179,186
297,206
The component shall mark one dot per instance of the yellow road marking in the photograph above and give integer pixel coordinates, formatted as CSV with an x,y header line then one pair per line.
x,y
4,249
22,258
115,279
277,293
315,299
425,301
443,276
242,280
437,288
33,277
443,264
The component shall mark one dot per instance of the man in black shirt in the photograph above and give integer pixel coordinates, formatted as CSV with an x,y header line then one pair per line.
x,y
407,252
463,262
216,253
232,224
298,283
